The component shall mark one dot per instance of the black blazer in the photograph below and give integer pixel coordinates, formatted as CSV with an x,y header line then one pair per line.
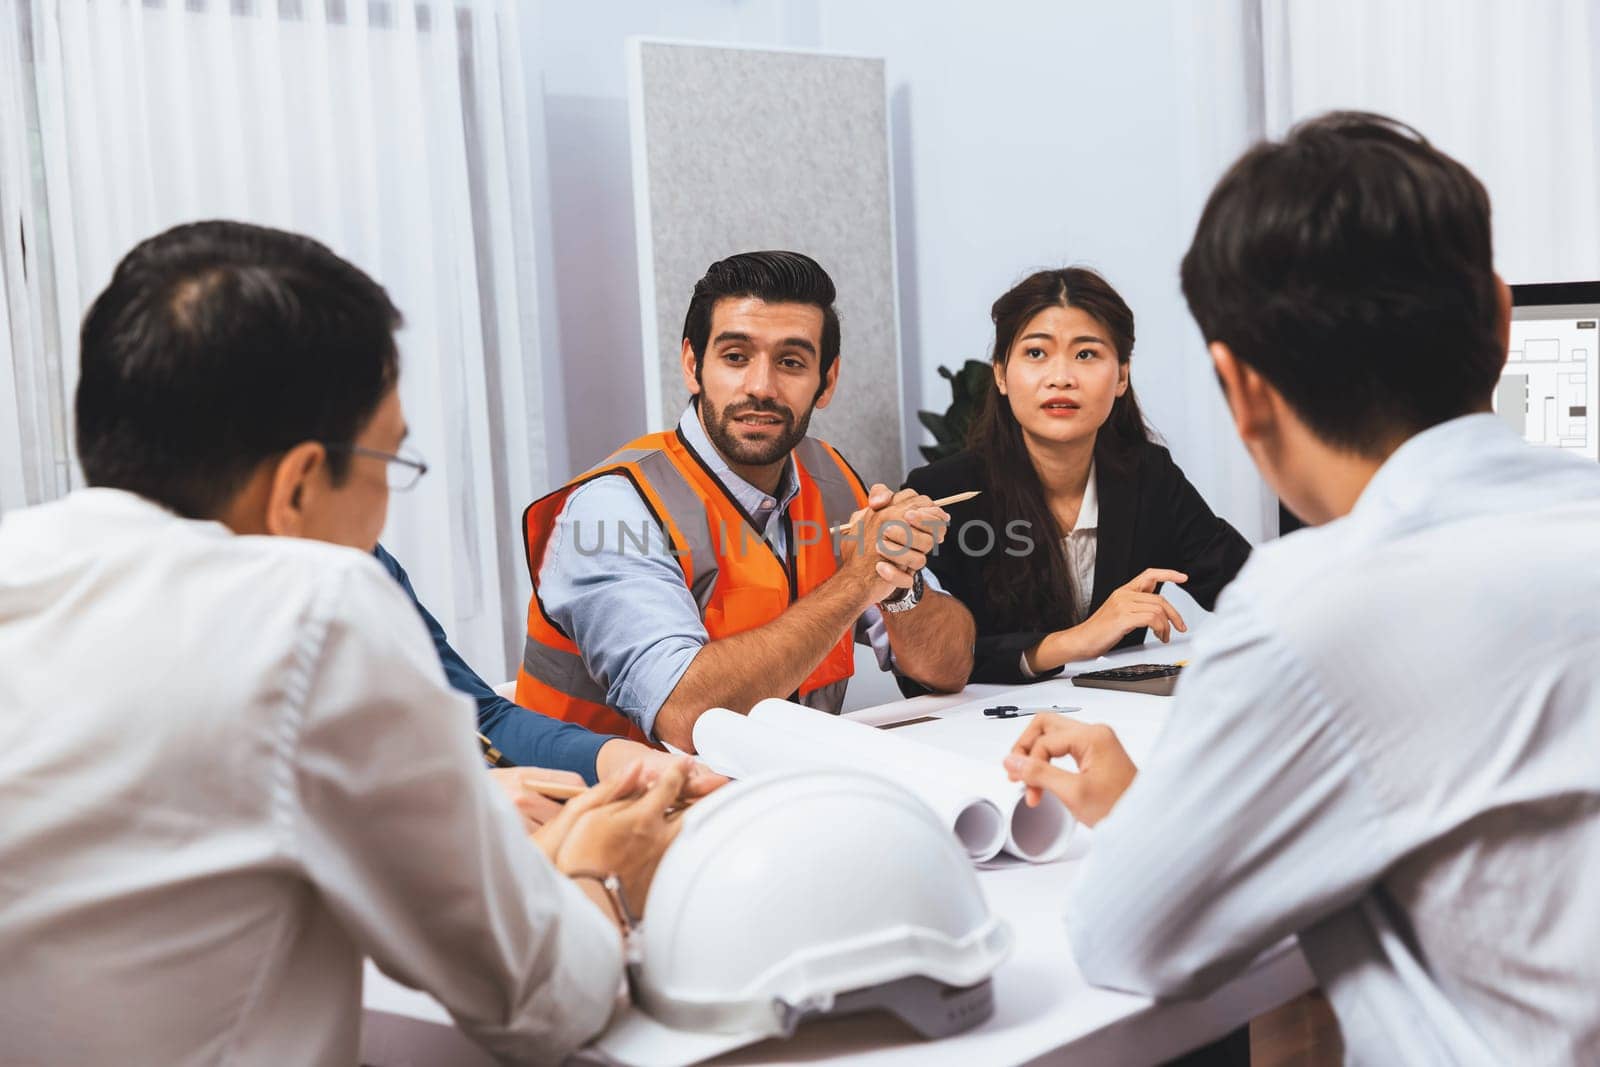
x,y
1150,516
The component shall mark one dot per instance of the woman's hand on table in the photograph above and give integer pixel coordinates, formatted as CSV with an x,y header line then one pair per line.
x,y
1128,608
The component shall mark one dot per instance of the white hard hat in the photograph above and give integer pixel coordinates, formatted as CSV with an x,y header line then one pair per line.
x,y
814,893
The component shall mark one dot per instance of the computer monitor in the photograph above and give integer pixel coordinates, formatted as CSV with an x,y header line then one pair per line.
x,y
1549,391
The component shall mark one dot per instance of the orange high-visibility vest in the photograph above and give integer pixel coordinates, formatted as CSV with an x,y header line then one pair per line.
x,y
735,577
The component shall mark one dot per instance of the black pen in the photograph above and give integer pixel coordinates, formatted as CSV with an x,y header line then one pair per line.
x,y
1014,711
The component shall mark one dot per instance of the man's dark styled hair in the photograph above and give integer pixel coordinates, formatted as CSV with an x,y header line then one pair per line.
x,y
218,345
772,277
1351,266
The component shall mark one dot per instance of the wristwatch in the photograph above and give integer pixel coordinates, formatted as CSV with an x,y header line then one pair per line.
x,y
905,599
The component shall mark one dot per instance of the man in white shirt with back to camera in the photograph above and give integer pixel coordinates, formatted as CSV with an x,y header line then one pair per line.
x,y
1389,740
230,764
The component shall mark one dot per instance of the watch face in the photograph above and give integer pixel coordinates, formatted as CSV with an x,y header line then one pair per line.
x,y
905,599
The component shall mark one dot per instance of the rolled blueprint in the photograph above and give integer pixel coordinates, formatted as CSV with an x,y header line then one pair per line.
x,y
1037,834
739,747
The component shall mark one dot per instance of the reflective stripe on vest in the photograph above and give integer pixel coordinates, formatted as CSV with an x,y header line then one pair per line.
x,y
826,468
565,671
561,670
689,511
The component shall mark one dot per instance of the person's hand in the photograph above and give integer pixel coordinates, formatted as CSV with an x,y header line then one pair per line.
x,y
552,833
627,837
535,809
888,541
616,756
1104,769
1128,608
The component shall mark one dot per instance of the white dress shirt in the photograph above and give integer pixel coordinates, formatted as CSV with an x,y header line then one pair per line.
x,y
229,768
1388,744
1082,545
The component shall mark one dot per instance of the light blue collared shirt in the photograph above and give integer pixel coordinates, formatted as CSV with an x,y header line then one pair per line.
x,y
610,581
1386,744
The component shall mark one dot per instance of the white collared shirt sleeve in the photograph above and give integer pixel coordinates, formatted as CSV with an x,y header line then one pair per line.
x,y
1414,799
1082,548
609,580
263,777
384,804
1252,817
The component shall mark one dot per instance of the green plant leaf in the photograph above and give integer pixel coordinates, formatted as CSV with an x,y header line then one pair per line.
x,y
959,421
975,379
967,388
936,425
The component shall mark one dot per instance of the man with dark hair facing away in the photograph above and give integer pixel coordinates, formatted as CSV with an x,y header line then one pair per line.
x,y
694,568
230,763
1386,743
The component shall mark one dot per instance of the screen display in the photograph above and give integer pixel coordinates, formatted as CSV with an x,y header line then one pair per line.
x,y
1547,391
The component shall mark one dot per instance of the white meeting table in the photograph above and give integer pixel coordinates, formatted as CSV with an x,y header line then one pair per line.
x,y
1044,1010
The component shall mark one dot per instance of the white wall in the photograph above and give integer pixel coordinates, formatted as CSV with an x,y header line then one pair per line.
x,y
1024,135
1032,133
591,271
1511,90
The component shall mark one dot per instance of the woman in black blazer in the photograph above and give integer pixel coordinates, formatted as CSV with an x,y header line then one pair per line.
x,y
1060,435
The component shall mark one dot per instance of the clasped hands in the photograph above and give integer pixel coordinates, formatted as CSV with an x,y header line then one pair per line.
x,y
889,540
621,826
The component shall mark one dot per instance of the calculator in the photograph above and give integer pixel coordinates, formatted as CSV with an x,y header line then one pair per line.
x,y
1156,679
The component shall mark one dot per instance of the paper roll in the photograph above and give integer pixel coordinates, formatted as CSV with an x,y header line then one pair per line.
x,y
1038,834
739,747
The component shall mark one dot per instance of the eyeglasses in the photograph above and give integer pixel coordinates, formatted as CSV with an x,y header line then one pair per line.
x,y
402,472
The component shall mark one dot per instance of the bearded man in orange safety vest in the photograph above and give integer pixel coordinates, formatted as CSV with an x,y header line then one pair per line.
x,y
694,568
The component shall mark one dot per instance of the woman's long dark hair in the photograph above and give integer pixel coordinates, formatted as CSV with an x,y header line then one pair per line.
x,y
1030,592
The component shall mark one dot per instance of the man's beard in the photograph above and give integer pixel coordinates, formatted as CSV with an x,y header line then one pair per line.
x,y
721,428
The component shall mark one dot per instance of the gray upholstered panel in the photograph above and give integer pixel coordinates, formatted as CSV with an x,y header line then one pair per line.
x,y
737,150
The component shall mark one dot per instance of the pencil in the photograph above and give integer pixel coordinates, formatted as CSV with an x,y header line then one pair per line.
x,y
553,790
491,755
958,498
